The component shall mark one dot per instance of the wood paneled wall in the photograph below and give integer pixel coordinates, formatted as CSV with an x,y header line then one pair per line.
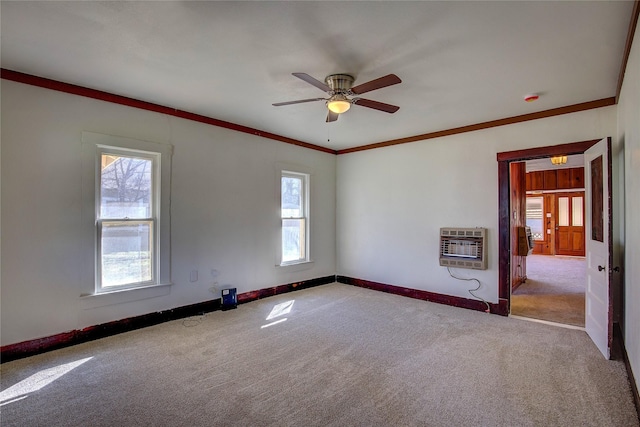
x,y
551,181
518,203
555,179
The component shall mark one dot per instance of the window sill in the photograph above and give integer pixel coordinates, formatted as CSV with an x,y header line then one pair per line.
x,y
121,296
298,266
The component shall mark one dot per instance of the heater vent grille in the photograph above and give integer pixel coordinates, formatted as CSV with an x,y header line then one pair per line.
x,y
463,248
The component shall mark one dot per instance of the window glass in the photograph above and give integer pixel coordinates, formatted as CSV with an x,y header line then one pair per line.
x,y
577,214
125,187
563,211
293,244
127,252
534,217
291,197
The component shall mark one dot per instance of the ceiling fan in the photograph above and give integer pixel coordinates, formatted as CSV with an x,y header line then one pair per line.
x,y
340,90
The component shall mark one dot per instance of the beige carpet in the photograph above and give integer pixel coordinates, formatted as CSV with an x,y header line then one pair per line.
x,y
554,290
344,356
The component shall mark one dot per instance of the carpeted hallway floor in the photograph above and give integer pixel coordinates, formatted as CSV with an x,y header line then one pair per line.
x,y
333,355
554,290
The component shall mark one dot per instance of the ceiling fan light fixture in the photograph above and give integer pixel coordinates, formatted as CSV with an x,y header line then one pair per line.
x,y
338,104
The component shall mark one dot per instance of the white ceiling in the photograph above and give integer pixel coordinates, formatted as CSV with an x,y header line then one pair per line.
x,y
461,63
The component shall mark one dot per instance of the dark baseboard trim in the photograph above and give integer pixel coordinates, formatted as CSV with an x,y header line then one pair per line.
x,y
282,289
500,308
41,345
54,342
619,339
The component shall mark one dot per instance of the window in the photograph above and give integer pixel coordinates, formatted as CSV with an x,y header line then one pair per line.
x,y
534,216
127,195
294,205
126,218
570,212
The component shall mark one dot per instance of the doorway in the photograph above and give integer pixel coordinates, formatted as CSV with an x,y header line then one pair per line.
x,y
599,242
552,288
505,215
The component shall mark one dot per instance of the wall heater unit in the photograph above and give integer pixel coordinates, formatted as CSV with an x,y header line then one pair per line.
x,y
463,248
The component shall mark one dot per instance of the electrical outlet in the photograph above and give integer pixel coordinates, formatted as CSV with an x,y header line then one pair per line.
x,y
193,276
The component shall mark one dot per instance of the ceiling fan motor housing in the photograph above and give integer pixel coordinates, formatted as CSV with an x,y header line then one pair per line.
x,y
339,83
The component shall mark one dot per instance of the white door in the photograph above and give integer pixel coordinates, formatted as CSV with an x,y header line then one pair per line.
x,y
599,313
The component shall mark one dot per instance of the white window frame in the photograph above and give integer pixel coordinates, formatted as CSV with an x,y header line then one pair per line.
x,y
93,146
153,219
306,178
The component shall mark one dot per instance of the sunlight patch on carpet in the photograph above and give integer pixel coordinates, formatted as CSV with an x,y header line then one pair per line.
x,y
37,381
273,323
281,309
277,311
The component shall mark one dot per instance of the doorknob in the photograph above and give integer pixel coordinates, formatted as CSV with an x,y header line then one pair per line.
x,y
600,268
616,269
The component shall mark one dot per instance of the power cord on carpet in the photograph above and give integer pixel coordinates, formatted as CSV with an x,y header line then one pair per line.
x,y
471,291
192,321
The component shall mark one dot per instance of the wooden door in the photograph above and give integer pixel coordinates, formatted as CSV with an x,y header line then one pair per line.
x,y
570,224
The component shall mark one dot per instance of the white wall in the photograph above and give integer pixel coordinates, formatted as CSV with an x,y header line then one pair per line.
x,y
225,209
392,201
629,138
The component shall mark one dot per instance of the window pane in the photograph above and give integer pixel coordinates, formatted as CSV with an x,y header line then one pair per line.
x,y
127,253
577,211
293,244
563,211
534,217
125,187
292,204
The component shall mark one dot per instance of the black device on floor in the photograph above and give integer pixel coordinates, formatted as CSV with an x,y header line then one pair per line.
x,y
229,299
